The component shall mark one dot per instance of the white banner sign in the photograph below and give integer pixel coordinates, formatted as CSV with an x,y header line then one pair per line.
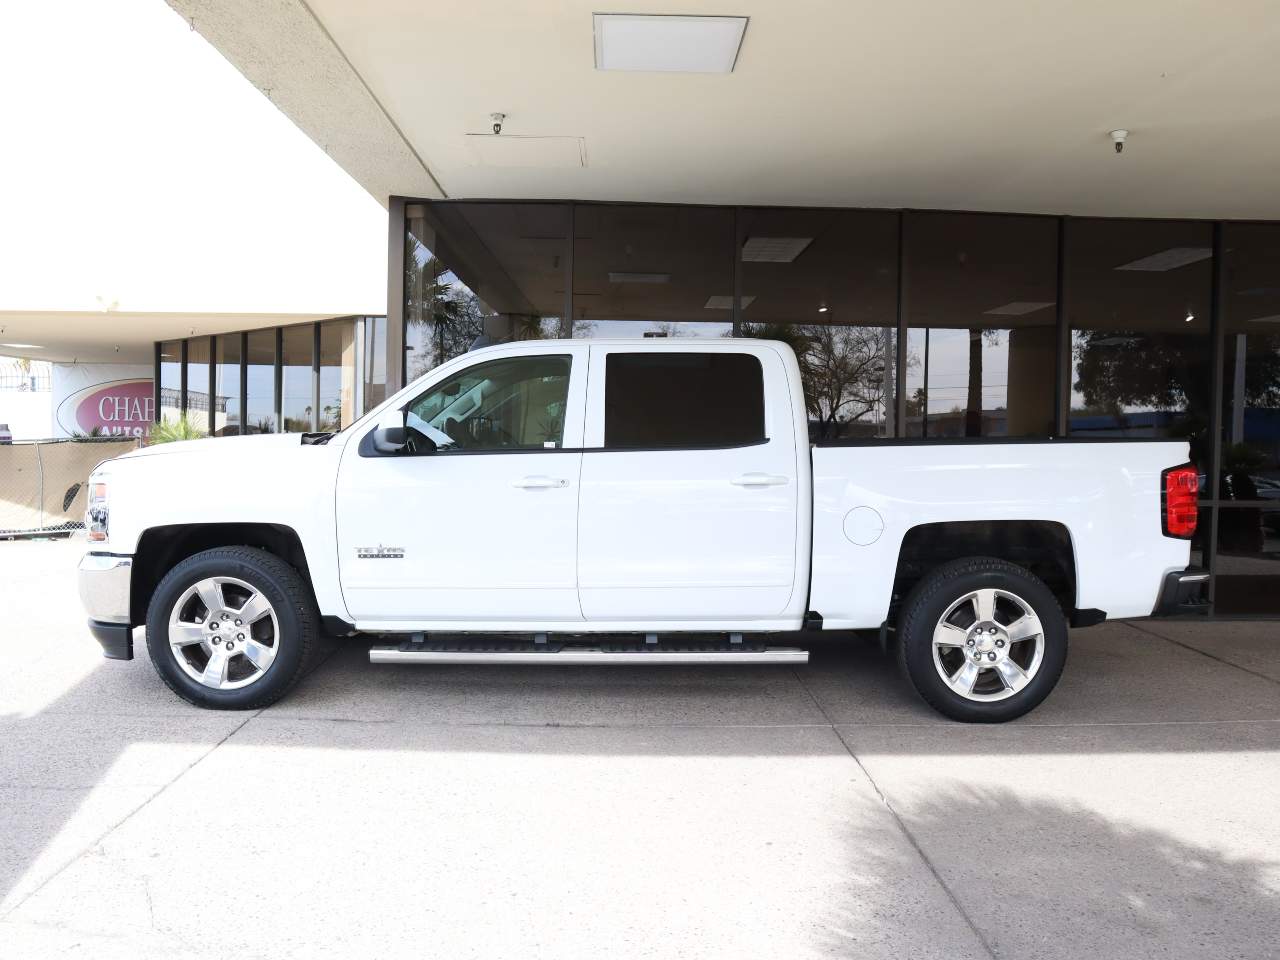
x,y
115,399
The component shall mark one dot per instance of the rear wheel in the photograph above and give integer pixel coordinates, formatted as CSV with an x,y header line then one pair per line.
x,y
232,628
982,640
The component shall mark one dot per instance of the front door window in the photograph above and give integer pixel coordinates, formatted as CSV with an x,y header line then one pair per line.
x,y
516,403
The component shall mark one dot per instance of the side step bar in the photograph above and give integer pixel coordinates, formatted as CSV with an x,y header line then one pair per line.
x,y
562,654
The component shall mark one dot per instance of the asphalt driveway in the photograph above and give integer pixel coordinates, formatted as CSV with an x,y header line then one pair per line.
x,y
460,812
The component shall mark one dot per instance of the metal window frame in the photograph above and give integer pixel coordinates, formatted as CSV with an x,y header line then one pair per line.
x,y
315,377
182,379
244,382
278,378
155,384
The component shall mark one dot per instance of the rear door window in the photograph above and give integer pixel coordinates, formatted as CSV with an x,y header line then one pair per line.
x,y
673,401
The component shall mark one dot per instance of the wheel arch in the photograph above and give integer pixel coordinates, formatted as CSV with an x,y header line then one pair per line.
x,y
162,548
1043,547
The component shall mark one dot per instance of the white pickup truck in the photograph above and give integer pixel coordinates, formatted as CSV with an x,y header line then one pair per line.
x,y
629,501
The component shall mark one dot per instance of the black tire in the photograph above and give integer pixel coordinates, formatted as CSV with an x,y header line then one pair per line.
x,y
930,600
292,604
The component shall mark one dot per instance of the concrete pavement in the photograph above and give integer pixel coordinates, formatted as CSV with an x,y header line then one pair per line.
x,y
556,812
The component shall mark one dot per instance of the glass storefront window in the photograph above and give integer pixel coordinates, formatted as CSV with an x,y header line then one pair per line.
x,y
642,270
226,386
1138,305
981,291
444,315
198,361
337,375
1251,364
826,283
297,400
170,405
1247,566
976,302
260,382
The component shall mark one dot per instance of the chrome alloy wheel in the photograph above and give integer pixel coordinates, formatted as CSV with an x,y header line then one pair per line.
x,y
223,633
988,645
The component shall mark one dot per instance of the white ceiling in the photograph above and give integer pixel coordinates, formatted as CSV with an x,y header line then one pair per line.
x,y
993,105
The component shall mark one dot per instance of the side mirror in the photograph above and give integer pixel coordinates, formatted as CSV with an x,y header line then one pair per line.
x,y
390,436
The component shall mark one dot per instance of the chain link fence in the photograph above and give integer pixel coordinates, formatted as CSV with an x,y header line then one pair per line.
x,y
42,482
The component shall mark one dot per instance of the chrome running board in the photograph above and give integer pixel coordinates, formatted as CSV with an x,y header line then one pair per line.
x,y
567,654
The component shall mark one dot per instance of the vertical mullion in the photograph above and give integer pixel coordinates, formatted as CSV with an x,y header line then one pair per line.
x,y
1062,367
924,390
315,376
213,365
182,380
278,377
736,315
244,382
566,327
900,361
155,393
1217,332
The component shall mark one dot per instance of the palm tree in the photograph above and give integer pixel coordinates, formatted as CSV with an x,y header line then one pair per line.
x,y
437,301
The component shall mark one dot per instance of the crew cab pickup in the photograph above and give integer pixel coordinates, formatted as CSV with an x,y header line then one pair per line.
x,y
629,501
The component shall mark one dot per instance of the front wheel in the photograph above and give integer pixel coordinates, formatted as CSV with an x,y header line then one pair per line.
x,y
982,640
231,628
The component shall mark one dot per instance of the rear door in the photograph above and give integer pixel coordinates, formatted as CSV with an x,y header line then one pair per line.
x,y
688,503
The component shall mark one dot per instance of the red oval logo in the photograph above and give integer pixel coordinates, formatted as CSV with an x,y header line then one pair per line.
x,y
122,408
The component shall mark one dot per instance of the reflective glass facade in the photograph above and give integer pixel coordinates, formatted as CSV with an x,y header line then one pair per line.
x,y
308,377
917,325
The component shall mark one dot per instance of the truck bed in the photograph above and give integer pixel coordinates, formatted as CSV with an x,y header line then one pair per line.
x,y
1104,493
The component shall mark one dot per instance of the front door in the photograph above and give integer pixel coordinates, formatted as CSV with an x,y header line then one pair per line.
x,y
690,498
483,527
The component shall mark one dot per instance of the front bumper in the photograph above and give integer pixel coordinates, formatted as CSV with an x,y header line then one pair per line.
x,y
1184,593
104,591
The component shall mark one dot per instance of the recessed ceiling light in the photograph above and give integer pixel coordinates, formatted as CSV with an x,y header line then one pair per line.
x,y
773,249
719,302
1018,308
23,346
823,308
663,43
620,277
1169,259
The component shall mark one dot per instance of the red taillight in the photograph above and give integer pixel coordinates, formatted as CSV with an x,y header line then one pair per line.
x,y
1179,490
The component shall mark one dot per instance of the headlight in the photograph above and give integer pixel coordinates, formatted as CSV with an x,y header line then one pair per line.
x,y
95,515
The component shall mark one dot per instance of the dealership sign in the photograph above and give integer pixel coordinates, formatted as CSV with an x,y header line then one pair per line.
x,y
117,408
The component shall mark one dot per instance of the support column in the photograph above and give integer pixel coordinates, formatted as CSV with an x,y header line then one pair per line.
x,y
395,294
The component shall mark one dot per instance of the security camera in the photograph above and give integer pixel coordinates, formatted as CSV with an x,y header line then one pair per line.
x,y
1118,137
497,119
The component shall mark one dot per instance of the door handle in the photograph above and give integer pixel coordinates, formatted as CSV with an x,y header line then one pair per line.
x,y
540,483
759,480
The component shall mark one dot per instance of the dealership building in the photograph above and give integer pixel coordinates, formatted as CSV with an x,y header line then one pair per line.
x,y
989,222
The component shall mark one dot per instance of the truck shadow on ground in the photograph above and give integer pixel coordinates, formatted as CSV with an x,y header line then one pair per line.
x,y
1039,878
